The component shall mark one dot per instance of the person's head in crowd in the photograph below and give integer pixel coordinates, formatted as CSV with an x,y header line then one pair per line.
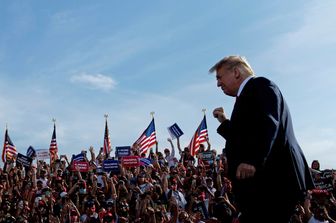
x,y
74,216
39,184
121,188
59,172
41,207
90,207
6,206
173,184
227,185
183,216
108,218
182,171
100,196
141,178
64,197
166,152
214,152
59,184
9,219
201,148
43,173
109,205
315,165
160,156
209,182
82,187
123,208
186,151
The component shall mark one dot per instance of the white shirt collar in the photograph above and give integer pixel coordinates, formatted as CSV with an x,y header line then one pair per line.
x,y
242,85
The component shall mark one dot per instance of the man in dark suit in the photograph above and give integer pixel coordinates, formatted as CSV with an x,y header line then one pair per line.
x,y
265,162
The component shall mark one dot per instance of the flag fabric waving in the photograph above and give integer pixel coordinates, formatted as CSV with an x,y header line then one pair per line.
x,y
107,141
31,152
145,161
199,137
9,149
53,150
147,138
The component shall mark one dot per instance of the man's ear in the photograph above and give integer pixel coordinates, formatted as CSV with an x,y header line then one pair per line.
x,y
236,72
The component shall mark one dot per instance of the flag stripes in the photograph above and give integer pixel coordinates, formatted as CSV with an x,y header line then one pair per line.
x,y
53,149
147,138
107,141
200,136
9,149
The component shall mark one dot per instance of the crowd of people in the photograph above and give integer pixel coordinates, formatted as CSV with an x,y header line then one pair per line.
x,y
171,188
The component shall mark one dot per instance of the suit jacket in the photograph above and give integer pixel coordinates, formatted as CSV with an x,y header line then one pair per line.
x,y
260,133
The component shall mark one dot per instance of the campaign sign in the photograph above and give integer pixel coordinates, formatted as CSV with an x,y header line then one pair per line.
x,y
42,154
325,180
130,161
122,151
82,166
111,166
24,160
175,131
206,158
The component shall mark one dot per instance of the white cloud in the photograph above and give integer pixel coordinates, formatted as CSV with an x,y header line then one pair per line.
x,y
95,81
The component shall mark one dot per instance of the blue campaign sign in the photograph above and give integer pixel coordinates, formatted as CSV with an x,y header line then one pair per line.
x,y
122,151
175,131
111,166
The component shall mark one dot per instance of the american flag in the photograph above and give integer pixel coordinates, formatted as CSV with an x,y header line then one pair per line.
x,y
53,150
107,141
199,137
9,150
147,138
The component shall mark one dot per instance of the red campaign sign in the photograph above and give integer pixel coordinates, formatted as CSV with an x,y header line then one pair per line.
x,y
82,166
130,161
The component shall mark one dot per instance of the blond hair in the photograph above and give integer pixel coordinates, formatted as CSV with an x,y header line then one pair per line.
x,y
231,62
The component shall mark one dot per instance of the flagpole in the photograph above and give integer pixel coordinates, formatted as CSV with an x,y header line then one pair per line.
x,y
152,114
203,110
106,116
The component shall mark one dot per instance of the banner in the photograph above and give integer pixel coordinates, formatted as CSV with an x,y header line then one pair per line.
x,y
130,161
207,158
175,131
111,166
24,160
324,181
82,166
122,151
42,154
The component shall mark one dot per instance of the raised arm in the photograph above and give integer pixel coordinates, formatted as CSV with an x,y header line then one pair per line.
x,y
179,145
93,156
172,147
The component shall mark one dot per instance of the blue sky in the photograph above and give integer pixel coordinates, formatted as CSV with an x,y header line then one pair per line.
x,y
77,60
